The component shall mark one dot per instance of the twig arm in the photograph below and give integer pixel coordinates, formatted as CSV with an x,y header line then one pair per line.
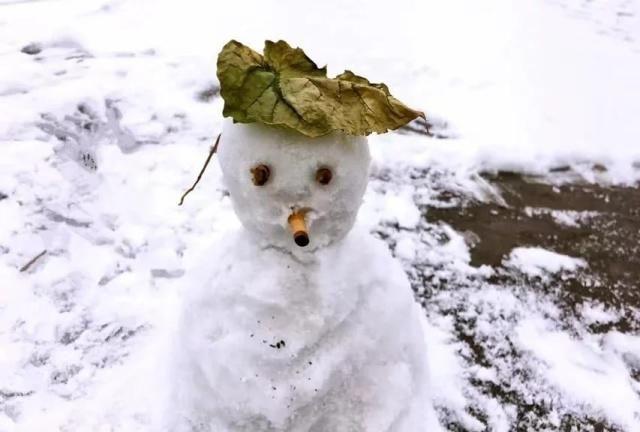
x,y
204,167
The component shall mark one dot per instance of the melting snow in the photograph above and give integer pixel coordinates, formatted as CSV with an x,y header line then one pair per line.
x,y
537,261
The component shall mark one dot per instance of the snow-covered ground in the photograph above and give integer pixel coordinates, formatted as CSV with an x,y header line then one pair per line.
x,y
109,108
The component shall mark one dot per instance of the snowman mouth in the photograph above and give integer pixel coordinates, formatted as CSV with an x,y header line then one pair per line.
x,y
298,227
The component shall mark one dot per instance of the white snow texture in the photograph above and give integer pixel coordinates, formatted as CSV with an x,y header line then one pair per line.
x,y
276,337
108,108
293,161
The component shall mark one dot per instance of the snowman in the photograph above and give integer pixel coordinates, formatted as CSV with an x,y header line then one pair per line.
x,y
299,321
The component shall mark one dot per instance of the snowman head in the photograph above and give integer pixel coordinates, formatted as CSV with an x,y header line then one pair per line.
x,y
292,190
295,158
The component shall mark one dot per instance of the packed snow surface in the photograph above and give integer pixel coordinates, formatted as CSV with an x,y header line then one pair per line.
x,y
275,336
293,161
271,341
109,108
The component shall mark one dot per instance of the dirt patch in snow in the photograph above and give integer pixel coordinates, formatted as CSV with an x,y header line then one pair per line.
x,y
605,231
517,333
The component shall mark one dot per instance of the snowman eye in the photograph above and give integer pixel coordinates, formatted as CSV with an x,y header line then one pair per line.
x,y
260,174
324,176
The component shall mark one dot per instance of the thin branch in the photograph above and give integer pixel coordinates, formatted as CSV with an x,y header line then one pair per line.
x,y
204,167
31,262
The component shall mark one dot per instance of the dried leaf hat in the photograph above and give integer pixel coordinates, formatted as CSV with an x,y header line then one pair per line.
x,y
283,87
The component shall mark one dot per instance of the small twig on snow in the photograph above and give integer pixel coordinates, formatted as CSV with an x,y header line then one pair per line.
x,y
26,267
212,150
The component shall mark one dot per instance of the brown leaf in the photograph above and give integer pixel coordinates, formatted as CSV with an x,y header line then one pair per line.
x,y
286,88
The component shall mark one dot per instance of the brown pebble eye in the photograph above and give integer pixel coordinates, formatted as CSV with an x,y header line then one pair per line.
x,y
324,176
260,174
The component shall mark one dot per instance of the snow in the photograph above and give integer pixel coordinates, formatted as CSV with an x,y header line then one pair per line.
x,y
277,336
581,371
598,314
447,385
399,207
567,218
272,341
535,261
523,87
535,109
293,161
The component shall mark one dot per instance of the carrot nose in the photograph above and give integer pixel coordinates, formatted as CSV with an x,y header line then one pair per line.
x,y
298,227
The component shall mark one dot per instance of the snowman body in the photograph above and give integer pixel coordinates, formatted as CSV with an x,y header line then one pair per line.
x,y
275,337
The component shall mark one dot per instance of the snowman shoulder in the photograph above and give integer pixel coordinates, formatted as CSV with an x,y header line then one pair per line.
x,y
371,258
224,249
